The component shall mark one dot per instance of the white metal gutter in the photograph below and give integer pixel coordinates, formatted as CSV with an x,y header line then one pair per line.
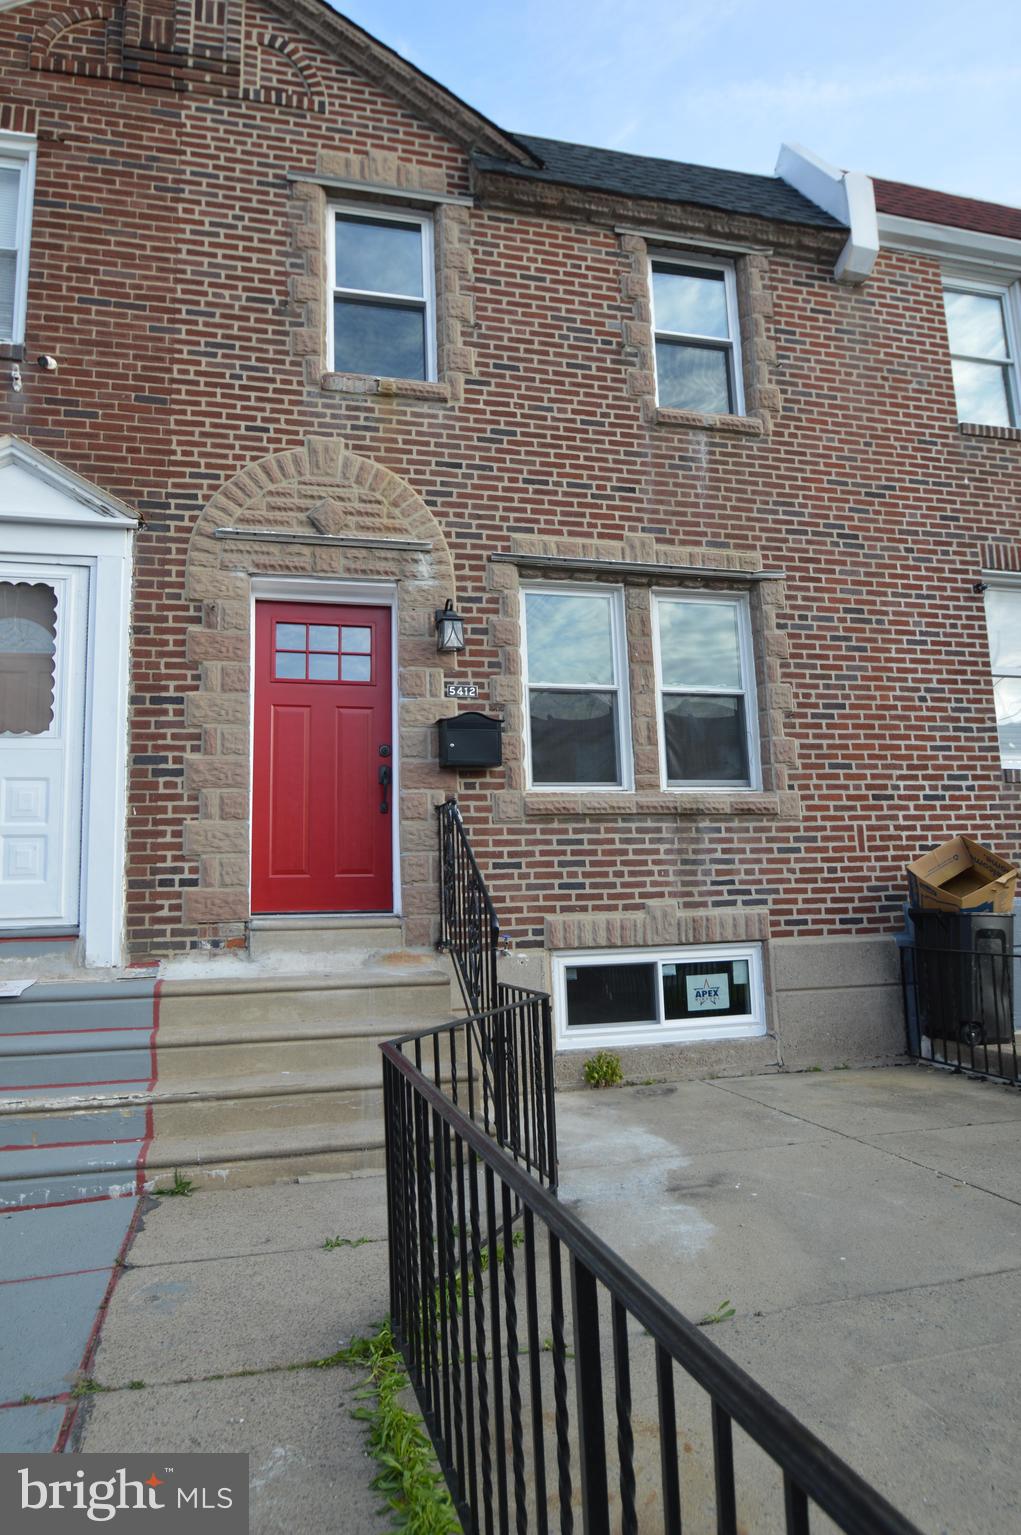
x,y
847,195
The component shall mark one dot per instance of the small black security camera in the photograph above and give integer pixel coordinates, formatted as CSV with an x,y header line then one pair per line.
x,y
47,362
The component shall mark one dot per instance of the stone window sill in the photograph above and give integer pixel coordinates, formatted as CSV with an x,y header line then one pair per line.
x,y
12,351
740,426
407,388
1011,775
978,429
607,805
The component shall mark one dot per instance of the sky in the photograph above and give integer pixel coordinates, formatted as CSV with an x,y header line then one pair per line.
x,y
921,92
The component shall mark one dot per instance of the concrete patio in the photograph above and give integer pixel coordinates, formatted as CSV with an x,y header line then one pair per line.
x,y
865,1226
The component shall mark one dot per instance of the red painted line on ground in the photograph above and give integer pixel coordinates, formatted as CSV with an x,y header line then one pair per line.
x,y
93,1341
150,1131
67,1425
64,1274
112,1028
39,1401
114,1140
60,1204
31,1087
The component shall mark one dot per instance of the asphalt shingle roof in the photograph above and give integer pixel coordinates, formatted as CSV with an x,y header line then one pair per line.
x,y
608,170
945,208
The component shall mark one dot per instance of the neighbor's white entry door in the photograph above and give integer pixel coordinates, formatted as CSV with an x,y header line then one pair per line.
x,y
43,645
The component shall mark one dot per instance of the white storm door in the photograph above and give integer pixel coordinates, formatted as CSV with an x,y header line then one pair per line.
x,y
43,644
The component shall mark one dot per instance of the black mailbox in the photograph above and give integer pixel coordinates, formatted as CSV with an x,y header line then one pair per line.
x,y
471,741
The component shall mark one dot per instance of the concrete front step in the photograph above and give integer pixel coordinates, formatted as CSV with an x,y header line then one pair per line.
x,y
373,933
252,1157
409,990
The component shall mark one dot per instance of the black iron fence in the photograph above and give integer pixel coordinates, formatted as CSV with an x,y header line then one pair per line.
x,y
469,929
561,1391
959,1004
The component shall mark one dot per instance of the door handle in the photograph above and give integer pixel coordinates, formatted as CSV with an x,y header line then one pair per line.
x,y
385,779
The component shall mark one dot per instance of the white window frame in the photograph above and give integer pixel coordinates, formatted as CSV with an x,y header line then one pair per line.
x,y
749,690
959,280
663,1032
1000,586
618,639
18,152
424,222
674,258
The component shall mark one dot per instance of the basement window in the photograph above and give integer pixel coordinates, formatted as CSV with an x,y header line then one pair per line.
x,y
658,996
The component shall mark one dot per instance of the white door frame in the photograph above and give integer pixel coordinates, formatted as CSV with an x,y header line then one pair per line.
x,y
71,582
53,516
368,593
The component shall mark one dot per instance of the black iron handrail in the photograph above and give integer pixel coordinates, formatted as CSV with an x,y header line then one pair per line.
x,y
498,1067
469,928
483,1325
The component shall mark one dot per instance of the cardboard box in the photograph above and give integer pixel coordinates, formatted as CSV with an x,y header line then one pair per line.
x,y
962,875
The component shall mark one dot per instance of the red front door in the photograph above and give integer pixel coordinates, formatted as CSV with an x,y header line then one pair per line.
x,y
321,819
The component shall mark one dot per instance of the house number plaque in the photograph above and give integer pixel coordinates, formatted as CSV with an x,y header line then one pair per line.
x,y
460,690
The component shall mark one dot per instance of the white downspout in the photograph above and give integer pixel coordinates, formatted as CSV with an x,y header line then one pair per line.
x,y
847,195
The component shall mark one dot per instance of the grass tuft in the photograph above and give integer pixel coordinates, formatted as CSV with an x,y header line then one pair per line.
x,y
408,1476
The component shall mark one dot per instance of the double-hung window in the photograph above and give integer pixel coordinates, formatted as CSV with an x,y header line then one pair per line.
x,y
706,684
695,325
653,996
382,281
576,679
17,168
1003,617
983,330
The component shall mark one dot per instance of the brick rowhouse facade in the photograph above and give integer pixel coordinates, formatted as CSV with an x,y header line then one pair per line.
x,y
186,156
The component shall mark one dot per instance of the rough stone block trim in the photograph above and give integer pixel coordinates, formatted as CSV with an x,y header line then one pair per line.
x,y
319,485
659,925
778,752
455,305
758,349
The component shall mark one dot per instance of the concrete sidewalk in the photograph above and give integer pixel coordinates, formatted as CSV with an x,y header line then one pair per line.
x,y
222,1283
866,1228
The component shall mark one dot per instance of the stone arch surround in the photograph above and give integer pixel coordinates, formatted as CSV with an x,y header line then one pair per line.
x,y
313,495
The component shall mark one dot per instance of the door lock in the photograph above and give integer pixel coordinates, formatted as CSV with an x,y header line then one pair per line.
x,y
385,778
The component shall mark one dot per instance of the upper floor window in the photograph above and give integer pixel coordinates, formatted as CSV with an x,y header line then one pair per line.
x,y
695,325
381,280
1003,617
576,674
706,683
983,330
17,168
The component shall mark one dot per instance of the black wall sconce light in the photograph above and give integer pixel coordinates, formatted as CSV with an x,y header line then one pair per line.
x,y
449,628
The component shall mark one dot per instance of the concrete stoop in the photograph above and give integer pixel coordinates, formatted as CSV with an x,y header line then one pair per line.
x,y
239,1076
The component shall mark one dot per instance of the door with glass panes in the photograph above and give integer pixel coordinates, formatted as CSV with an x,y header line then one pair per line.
x,y
43,641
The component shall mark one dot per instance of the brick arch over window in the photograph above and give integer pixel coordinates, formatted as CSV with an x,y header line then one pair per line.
x,y
82,39
344,518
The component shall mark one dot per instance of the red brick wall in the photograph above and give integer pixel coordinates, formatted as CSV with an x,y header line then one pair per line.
x,y
160,263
